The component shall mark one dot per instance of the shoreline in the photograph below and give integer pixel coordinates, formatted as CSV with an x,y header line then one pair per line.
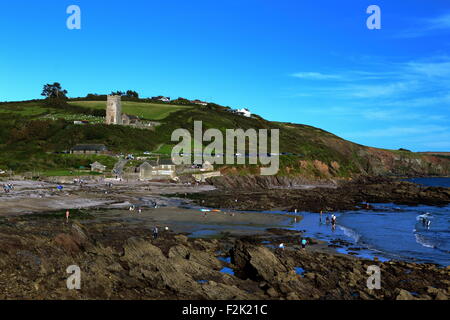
x,y
96,196
113,244
122,261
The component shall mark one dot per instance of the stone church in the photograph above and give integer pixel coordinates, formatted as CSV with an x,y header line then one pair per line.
x,y
114,110
114,113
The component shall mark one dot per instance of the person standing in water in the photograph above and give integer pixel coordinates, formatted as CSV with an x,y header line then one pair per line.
x,y
333,219
333,222
321,216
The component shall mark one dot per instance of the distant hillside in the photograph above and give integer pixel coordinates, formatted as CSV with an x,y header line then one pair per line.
x,y
31,133
144,110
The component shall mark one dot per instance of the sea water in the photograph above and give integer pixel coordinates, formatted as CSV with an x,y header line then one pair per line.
x,y
389,231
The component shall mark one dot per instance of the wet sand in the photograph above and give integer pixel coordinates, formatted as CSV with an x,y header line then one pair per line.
x,y
38,196
107,204
196,222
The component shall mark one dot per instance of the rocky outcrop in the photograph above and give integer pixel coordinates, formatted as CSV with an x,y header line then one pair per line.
x,y
348,195
253,182
255,262
122,262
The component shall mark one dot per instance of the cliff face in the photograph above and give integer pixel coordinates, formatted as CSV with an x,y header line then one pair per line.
x,y
382,162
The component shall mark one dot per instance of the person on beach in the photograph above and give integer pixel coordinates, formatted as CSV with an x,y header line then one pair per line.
x,y
333,222
140,210
304,243
333,219
67,215
155,232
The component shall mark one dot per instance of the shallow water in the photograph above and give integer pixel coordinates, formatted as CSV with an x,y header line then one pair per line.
x,y
397,233
300,271
227,271
431,182
388,232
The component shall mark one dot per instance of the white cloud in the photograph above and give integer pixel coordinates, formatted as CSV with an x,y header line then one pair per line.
x,y
427,26
440,22
429,69
396,131
316,76
377,90
394,82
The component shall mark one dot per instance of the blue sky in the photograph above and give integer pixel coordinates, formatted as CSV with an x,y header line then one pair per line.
x,y
312,62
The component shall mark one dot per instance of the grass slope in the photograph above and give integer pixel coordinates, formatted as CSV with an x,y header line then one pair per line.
x,y
29,138
149,111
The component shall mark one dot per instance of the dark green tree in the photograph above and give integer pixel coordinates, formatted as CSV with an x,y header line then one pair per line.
x,y
132,94
54,91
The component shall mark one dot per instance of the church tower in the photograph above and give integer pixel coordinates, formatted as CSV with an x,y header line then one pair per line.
x,y
114,110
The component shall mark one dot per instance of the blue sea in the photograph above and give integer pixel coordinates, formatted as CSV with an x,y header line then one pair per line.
x,y
389,231
431,182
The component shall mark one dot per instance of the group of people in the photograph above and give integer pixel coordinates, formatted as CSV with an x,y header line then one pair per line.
x,y
8,187
329,220
155,231
303,243
133,208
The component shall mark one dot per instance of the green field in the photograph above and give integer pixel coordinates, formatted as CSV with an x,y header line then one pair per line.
x,y
26,109
144,110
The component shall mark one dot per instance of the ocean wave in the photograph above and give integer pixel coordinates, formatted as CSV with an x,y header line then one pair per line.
x,y
350,233
423,241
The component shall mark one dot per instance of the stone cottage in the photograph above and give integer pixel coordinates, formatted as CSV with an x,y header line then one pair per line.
x,y
98,167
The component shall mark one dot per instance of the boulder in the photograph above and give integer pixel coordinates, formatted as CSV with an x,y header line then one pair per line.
x,y
255,262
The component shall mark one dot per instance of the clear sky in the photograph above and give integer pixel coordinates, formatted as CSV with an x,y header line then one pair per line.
x,y
305,61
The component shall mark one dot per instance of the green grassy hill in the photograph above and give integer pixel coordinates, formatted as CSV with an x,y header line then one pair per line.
x,y
144,110
32,135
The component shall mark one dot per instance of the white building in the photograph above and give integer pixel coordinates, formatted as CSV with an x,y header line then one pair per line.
x,y
244,112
